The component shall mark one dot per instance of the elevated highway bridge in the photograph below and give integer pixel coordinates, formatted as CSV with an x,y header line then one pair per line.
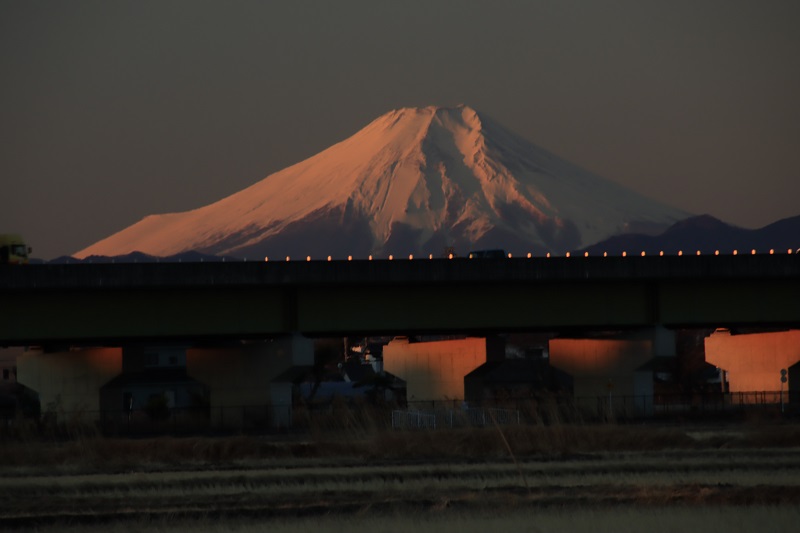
x,y
116,303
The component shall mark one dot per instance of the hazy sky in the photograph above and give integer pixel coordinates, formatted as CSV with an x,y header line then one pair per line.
x,y
112,110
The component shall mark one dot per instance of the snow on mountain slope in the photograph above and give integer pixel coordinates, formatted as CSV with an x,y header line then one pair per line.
x,y
413,181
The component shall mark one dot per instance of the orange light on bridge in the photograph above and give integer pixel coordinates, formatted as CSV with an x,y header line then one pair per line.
x,y
308,258
449,256
644,253
698,252
624,254
567,254
661,253
288,258
391,257
716,252
736,252
585,254
605,254
266,259
410,257
430,256
529,255
771,251
548,255
370,258
509,255
789,251
329,258
350,257
753,251
680,252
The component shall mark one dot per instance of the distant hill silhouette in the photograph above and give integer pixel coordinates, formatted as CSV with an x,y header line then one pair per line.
x,y
702,233
139,257
706,234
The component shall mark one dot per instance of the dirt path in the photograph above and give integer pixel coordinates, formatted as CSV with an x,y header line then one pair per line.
x,y
289,490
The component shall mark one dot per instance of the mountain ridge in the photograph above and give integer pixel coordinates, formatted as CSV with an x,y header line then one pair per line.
x,y
706,234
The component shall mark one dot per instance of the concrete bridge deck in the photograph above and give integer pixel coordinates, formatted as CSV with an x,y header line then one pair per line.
x,y
144,301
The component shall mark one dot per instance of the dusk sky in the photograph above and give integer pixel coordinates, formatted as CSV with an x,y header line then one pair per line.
x,y
111,111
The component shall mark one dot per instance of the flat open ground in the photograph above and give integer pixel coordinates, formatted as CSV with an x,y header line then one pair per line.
x,y
524,479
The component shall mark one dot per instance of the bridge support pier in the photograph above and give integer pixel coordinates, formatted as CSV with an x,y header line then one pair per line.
x,y
68,380
250,384
434,371
753,364
614,371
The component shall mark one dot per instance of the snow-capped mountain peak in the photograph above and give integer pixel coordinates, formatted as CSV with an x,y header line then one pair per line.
x,y
414,180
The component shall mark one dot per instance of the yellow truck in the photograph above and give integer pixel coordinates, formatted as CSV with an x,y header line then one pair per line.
x,y
13,250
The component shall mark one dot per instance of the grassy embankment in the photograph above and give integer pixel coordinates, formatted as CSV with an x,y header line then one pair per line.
x,y
359,477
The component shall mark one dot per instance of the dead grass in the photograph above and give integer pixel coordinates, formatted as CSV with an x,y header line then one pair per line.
x,y
358,477
91,453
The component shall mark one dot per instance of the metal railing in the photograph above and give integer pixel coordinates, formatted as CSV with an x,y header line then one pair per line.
x,y
546,409
452,418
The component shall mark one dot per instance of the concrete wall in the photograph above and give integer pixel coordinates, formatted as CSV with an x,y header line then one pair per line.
x,y
8,363
609,369
140,357
176,395
239,376
69,381
753,361
435,371
596,363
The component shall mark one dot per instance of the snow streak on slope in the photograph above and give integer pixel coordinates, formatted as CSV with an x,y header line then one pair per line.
x,y
413,181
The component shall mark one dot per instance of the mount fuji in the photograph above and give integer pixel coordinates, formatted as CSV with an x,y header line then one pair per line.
x,y
413,181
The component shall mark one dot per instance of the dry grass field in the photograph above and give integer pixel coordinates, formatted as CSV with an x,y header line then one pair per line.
x,y
523,478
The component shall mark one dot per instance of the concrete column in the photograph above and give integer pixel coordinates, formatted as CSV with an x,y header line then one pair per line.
x,y
69,381
753,361
240,379
434,371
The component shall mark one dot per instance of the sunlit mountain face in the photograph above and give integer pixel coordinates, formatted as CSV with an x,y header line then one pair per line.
x,y
414,181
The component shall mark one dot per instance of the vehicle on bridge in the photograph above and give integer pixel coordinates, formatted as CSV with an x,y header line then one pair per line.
x,y
487,254
13,250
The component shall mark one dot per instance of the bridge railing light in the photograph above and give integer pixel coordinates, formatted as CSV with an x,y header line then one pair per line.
x,y
605,254
509,255
716,252
548,255
698,252
430,256
644,253
624,254
771,251
449,256
308,258
288,258
753,251
567,254
410,257
789,251
680,252
661,253
391,257
370,258
266,259
529,255
736,252
349,257
329,258
585,254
